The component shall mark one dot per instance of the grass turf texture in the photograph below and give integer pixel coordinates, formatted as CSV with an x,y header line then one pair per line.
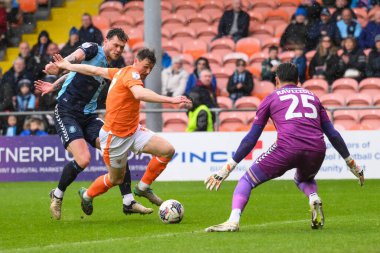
x,y
276,220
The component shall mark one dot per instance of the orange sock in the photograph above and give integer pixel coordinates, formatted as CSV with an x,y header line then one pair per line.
x,y
101,185
154,169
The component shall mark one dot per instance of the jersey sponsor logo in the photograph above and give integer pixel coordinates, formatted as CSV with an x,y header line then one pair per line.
x,y
135,75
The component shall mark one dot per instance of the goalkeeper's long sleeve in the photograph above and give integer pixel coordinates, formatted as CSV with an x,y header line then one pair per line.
x,y
336,139
248,143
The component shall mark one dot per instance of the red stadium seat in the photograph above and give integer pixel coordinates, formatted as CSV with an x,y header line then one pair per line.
x,y
370,86
261,31
266,43
122,20
345,86
206,33
317,86
195,47
198,20
173,21
346,118
110,9
256,17
258,57
186,8
231,121
176,121
212,5
262,89
358,99
223,46
370,118
276,17
231,58
264,6
247,102
101,22
332,100
255,70
172,47
224,102
248,46
183,34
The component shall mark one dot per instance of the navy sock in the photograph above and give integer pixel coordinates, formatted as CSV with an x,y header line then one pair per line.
x,y
125,187
69,174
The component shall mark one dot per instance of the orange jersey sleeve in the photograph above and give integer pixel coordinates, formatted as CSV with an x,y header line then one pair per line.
x,y
112,72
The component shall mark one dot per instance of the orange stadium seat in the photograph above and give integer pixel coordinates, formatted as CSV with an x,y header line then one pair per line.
x,y
286,56
256,17
134,8
370,86
276,17
361,127
255,70
247,102
212,5
339,127
279,30
264,6
346,118
250,117
317,86
172,47
332,100
135,35
222,46
248,46
266,43
183,34
262,89
358,99
229,60
270,127
166,8
222,76
195,47
101,22
166,33
198,20
110,9
137,46
231,121
139,21
376,100
186,8
188,62
283,3
345,86
214,60
258,57
206,33
370,118
122,20
224,102
176,122
173,21
261,31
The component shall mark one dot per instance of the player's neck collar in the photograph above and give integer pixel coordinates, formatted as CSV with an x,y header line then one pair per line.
x,y
285,85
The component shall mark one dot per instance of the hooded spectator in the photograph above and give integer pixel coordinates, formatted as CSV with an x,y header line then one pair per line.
x,y
43,42
26,101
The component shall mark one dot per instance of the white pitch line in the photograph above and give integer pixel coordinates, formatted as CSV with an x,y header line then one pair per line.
x,y
137,238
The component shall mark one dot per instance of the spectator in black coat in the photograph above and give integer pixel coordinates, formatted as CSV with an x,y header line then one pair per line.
x,y
340,5
240,82
324,64
43,42
373,65
353,61
296,32
313,9
234,23
6,97
72,44
88,32
30,60
15,74
324,26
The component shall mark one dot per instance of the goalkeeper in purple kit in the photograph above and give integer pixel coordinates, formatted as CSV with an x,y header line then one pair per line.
x,y
301,121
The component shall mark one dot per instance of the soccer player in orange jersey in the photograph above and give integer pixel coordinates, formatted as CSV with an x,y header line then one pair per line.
x,y
121,131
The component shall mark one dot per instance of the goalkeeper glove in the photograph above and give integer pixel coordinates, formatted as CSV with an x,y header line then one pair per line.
x,y
216,179
355,169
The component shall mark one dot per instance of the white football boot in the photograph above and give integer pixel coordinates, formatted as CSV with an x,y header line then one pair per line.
x,y
227,226
317,217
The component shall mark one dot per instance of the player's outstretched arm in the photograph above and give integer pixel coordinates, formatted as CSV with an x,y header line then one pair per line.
x,y
338,143
148,95
46,87
246,146
81,68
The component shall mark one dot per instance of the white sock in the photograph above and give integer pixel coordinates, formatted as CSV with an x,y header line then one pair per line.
x,y
127,199
58,193
313,197
235,215
86,197
143,186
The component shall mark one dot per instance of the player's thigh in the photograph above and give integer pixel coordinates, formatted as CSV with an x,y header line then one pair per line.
x,y
114,149
158,146
308,165
79,149
91,130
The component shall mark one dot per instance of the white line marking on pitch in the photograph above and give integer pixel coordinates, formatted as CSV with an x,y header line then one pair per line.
x,y
59,245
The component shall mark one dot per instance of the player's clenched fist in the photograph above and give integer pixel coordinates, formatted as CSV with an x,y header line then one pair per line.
x,y
216,179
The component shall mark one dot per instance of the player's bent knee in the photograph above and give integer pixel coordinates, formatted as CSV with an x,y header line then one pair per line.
x,y
169,151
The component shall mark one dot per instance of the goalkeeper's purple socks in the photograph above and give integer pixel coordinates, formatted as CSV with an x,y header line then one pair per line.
x,y
307,187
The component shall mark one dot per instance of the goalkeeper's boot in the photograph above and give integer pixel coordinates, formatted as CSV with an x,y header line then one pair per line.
x,y
136,207
227,226
148,193
55,205
86,204
317,217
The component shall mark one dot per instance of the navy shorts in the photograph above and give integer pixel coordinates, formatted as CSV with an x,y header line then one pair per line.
x,y
278,160
72,126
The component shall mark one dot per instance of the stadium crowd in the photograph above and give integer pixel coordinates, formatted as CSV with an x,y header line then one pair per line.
x,y
326,40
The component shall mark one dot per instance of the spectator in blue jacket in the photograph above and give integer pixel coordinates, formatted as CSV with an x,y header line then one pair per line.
x,y
33,126
26,101
200,64
348,27
300,61
322,27
367,36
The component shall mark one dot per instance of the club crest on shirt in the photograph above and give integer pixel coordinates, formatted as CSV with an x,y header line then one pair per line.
x,y
135,75
72,129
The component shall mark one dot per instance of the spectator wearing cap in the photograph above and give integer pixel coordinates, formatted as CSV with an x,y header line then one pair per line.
x,y
313,9
26,101
43,42
373,65
340,5
296,32
240,83
367,36
300,61
352,62
88,32
234,23
72,44
15,74
322,27
348,26
174,79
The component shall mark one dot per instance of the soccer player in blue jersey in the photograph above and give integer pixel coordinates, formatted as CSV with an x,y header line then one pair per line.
x,y
75,120
301,121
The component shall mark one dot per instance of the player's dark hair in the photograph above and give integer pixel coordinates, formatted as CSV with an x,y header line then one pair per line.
x,y
117,32
287,72
146,53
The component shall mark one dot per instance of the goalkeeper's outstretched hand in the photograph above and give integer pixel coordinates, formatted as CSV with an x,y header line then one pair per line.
x,y
355,169
216,179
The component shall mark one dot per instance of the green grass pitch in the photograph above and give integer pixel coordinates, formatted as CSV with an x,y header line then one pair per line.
x,y
275,220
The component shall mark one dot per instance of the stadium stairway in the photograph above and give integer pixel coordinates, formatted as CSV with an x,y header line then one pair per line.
x,y
58,26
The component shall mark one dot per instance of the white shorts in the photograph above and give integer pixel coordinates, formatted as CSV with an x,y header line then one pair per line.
x,y
115,149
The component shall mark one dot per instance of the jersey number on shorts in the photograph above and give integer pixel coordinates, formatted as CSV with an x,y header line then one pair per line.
x,y
290,114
